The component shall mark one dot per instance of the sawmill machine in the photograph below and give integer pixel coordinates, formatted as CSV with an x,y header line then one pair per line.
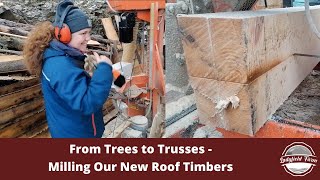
x,y
144,92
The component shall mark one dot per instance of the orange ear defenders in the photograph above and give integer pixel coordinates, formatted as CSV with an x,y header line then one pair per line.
x,y
63,34
61,30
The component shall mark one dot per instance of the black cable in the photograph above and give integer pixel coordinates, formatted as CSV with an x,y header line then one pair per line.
x,y
265,3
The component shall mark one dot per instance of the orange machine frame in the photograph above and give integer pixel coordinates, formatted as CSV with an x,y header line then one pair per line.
x,y
151,11
285,129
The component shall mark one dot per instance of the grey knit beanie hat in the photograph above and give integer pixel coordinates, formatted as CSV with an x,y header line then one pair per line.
x,y
74,17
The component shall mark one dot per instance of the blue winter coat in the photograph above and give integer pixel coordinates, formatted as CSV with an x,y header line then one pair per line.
x,y
73,99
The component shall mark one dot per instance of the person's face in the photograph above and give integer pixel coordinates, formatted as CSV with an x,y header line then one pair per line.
x,y
80,39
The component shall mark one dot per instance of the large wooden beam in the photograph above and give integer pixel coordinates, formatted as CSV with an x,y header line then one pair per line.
x,y
110,31
241,46
258,99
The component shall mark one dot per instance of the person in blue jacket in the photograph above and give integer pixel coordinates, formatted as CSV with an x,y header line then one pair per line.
x,y
73,99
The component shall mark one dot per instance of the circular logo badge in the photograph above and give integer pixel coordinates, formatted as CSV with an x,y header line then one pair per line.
x,y
298,159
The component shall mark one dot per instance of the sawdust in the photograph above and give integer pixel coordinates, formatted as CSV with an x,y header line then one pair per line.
x,y
223,104
131,133
304,103
173,93
170,87
176,107
207,132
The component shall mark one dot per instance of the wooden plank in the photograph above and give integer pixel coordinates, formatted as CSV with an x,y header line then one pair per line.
x,y
23,72
109,116
11,63
36,131
24,116
157,127
17,78
18,86
43,134
22,126
10,58
241,46
20,110
100,39
92,42
110,30
107,107
258,99
18,97
13,35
